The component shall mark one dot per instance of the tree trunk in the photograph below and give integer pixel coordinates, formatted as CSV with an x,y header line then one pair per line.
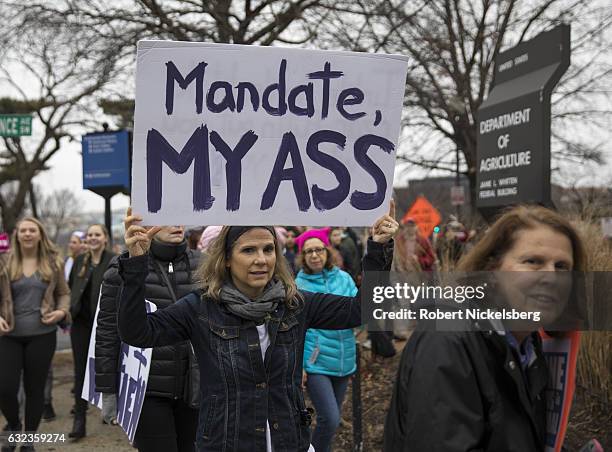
x,y
12,212
8,219
33,202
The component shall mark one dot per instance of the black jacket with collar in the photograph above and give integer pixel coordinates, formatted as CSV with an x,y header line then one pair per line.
x,y
169,364
78,284
464,391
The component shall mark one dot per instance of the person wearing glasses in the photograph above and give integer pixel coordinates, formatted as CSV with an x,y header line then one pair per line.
x,y
329,355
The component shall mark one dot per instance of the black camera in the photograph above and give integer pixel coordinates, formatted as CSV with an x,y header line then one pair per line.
x,y
306,416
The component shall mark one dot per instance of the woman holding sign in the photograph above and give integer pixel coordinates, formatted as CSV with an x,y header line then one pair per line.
x,y
485,388
247,324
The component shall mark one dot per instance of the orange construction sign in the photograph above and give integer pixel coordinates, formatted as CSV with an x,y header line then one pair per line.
x,y
424,214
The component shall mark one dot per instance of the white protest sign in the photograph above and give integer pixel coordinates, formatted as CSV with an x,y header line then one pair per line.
x,y
89,382
231,134
134,368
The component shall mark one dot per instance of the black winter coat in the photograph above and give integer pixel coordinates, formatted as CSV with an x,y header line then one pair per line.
x,y
464,391
169,363
239,390
78,284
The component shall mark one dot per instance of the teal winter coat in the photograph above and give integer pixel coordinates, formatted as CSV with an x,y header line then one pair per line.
x,y
329,352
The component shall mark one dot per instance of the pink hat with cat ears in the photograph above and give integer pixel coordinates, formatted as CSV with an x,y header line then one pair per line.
x,y
321,234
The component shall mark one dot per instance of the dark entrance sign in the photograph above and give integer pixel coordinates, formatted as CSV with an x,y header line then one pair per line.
x,y
513,144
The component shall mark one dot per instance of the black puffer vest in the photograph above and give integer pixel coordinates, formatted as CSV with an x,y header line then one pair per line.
x,y
169,363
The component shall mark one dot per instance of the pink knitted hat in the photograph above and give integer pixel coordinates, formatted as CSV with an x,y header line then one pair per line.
x,y
321,234
212,232
209,234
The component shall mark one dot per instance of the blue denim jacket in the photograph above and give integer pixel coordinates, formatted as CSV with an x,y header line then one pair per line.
x,y
239,390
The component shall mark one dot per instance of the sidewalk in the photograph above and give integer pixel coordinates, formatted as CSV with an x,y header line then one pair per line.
x,y
100,437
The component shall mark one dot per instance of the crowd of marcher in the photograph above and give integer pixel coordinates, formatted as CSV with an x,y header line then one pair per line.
x,y
268,313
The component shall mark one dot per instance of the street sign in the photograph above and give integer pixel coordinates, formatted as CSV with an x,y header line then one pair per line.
x,y
513,135
15,125
424,214
106,161
457,194
106,166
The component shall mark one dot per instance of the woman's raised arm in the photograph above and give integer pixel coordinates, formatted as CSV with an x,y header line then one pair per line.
x,y
327,311
136,327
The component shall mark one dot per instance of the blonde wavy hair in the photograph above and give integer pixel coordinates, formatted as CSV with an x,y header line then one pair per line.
x,y
48,256
213,272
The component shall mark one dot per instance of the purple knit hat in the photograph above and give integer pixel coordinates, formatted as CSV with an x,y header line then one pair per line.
x,y
321,234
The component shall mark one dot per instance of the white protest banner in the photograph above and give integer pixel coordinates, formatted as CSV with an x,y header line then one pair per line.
x,y
133,377
134,368
247,135
89,382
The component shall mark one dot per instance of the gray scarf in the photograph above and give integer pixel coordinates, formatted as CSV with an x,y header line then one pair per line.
x,y
258,309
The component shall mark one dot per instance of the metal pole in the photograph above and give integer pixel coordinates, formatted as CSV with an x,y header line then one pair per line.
x,y
356,393
107,218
